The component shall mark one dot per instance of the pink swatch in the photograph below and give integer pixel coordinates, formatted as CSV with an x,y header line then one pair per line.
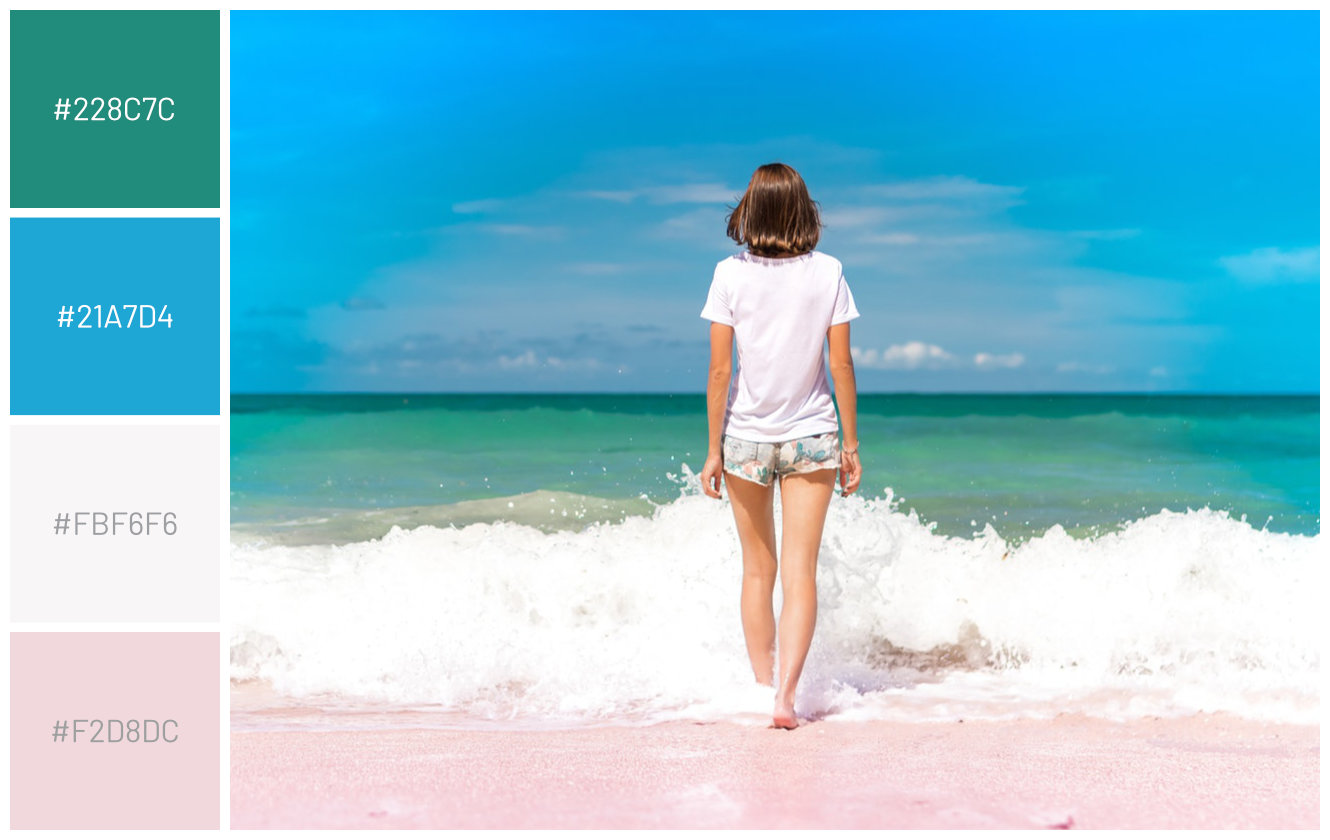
x,y
115,730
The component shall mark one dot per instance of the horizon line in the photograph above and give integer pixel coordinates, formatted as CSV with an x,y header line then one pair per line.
x,y
703,393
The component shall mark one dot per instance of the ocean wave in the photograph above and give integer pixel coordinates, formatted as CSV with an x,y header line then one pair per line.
x,y
545,510
637,618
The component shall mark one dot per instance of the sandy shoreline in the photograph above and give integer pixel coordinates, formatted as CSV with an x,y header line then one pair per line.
x,y
1206,771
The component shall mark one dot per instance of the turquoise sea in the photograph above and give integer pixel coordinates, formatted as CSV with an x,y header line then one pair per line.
x,y
1021,462
549,560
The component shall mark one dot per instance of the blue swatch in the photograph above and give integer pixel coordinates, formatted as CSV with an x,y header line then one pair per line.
x,y
115,316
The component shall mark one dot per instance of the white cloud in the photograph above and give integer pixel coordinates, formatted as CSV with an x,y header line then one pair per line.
x,y
919,355
525,360
712,193
621,196
992,361
1159,371
597,268
1115,233
932,222
1275,265
895,238
703,225
572,364
1083,367
692,194
961,240
851,217
484,205
530,361
947,188
362,303
911,355
526,231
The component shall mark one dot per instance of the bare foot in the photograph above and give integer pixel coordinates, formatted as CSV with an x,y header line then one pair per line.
x,y
783,716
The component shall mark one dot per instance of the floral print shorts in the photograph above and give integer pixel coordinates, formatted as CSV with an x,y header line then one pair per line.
x,y
762,462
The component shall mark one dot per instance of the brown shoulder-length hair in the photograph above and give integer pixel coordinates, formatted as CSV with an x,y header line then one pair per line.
x,y
775,217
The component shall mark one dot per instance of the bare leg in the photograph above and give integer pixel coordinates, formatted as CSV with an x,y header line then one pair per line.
x,y
751,503
804,498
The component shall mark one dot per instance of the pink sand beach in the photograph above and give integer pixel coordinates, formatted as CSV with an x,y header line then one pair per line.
x,y
1205,771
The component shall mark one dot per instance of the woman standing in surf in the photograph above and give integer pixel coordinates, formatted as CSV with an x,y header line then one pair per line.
x,y
772,415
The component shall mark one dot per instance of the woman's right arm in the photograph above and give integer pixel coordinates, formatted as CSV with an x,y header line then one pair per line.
x,y
718,392
842,374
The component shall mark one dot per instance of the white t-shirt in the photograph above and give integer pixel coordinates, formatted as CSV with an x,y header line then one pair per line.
x,y
780,309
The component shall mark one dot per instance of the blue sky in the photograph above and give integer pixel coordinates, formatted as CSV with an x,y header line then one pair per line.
x,y
1023,201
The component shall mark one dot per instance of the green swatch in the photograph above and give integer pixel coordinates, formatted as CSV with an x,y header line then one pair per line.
x,y
115,108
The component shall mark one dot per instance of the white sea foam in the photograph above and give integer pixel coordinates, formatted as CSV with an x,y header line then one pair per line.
x,y
638,620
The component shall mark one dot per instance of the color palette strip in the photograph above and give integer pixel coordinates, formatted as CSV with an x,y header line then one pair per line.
x,y
116,521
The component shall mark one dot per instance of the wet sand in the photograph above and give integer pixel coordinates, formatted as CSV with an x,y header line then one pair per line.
x,y
1205,771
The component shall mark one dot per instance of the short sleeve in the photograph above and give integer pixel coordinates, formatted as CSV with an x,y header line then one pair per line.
x,y
844,309
717,307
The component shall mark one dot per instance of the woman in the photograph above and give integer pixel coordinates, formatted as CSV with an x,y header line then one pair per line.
x,y
776,302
